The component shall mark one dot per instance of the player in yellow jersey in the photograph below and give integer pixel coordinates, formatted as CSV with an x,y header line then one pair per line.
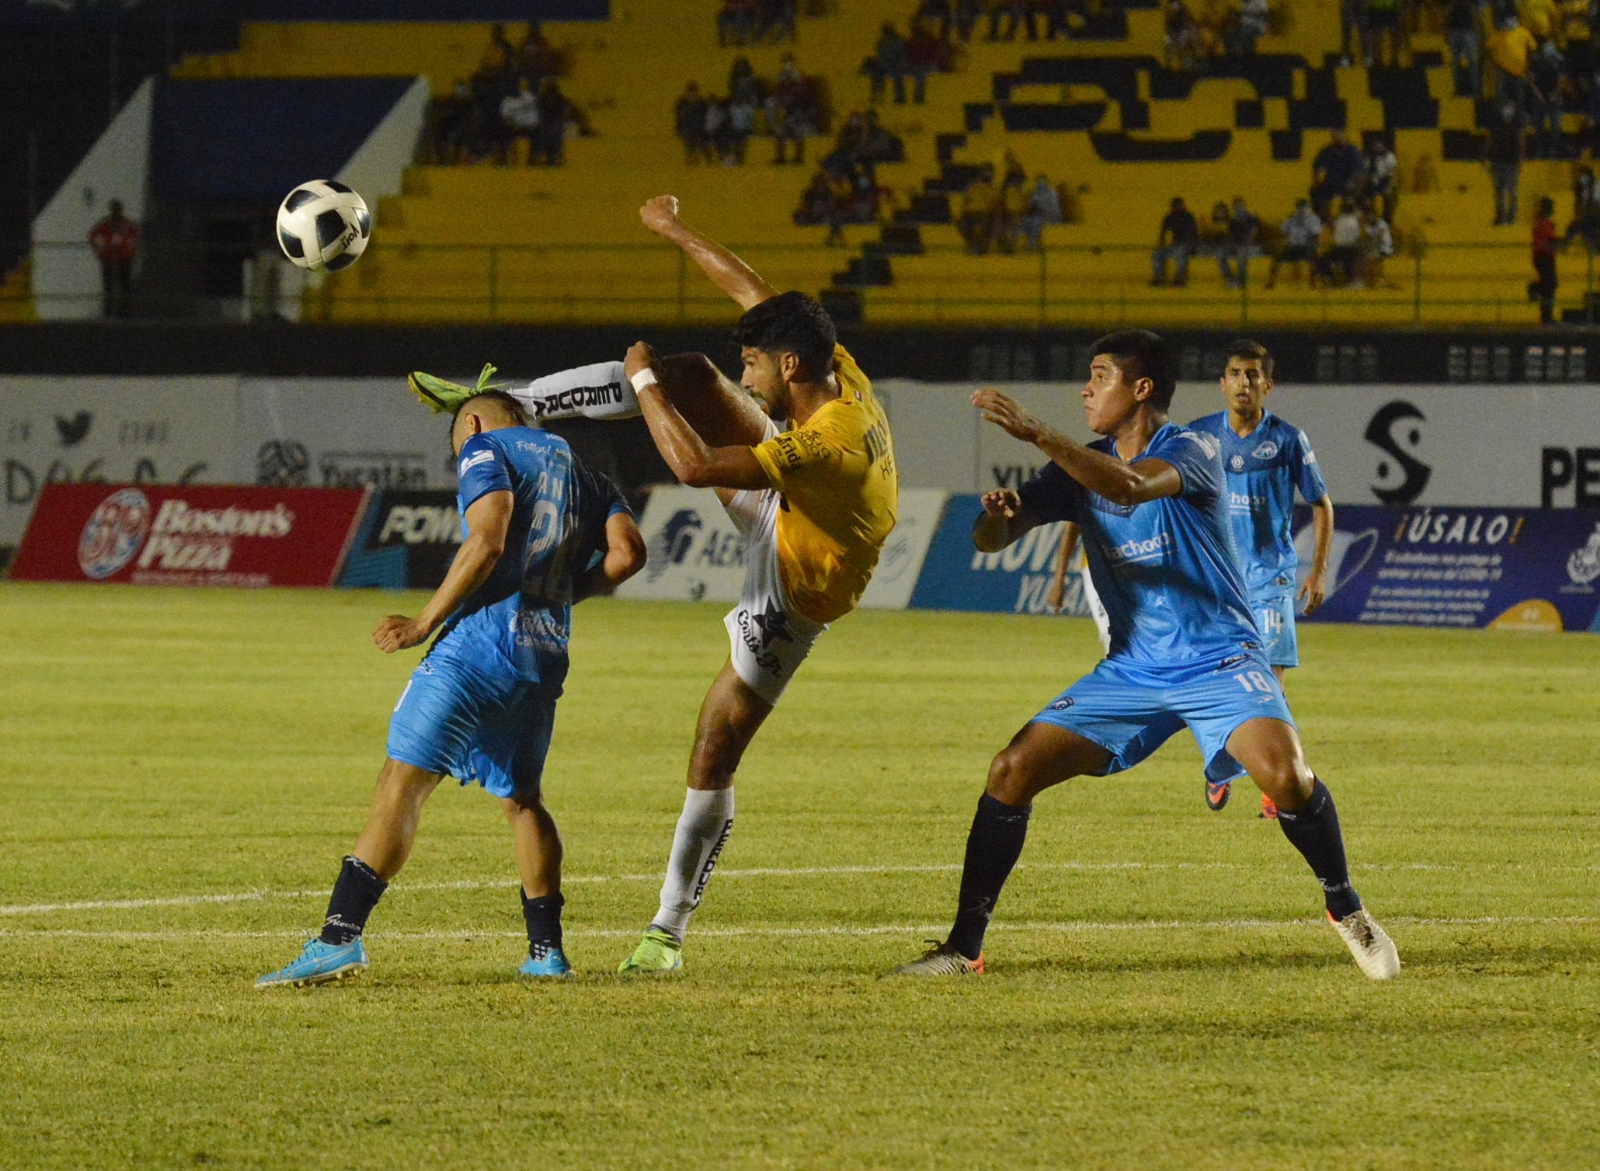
x,y
815,504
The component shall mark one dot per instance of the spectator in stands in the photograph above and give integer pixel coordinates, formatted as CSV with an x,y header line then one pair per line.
x,y
1504,151
1336,172
1545,70
1044,208
742,109
1384,33
1301,232
936,15
1381,168
1010,211
925,54
498,56
520,114
777,19
716,130
1377,245
1543,287
115,240
978,206
1338,264
1352,31
1510,48
1463,32
736,23
555,112
967,13
1248,26
1243,236
1214,232
743,84
819,204
1177,241
890,62
792,111
689,117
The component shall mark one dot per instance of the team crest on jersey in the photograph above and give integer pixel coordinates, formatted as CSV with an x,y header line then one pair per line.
x,y
1237,463
1266,450
1062,704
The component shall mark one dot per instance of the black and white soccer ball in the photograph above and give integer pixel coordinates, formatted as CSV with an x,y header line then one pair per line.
x,y
323,225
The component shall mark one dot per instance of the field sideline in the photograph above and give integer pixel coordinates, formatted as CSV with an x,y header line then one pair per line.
x,y
185,769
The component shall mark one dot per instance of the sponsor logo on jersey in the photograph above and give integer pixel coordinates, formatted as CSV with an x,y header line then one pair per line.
x,y
1265,450
1237,463
1150,549
1062,704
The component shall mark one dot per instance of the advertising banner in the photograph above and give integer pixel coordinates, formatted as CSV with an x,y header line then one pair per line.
x,y
696,554
113,430
1523,569
1516,446
407,540
955,576
189,535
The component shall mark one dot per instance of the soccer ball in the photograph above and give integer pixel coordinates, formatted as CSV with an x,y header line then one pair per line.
x,y
323,225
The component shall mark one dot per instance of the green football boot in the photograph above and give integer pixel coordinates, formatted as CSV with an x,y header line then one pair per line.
x,y
445,398
657,954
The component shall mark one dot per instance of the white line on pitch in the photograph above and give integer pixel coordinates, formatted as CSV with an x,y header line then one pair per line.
x,y
1066,928
752,872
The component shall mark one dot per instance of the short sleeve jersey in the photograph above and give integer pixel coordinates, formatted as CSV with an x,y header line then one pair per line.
x,y
1264,470
517,623
1164,569
840,491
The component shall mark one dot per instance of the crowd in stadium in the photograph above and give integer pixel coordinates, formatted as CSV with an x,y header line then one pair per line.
x,y
845,188
717,129
512,102
996,217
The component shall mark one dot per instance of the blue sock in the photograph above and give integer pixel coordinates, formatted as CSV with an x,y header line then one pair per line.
x,y
356,892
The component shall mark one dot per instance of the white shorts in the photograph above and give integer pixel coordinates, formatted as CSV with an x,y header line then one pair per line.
x,y
768,638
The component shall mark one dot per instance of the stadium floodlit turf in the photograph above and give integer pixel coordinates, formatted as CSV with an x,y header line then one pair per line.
x,y
185,769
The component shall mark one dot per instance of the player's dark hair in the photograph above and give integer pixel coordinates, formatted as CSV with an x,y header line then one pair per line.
x,y
1249,351
791,323
1139,353
512,407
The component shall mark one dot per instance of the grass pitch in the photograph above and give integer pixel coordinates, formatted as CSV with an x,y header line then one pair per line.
x,y
185,769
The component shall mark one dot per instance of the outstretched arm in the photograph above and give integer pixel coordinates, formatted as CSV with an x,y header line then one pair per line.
x,y
730,274
1104,475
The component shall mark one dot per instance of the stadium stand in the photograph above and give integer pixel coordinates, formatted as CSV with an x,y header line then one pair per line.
x,y
1100,112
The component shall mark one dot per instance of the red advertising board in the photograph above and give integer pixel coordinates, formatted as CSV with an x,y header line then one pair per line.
x,y
150,534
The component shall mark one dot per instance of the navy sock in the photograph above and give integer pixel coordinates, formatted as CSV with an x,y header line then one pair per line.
x,y
993,846
543,916
354,895
1314,831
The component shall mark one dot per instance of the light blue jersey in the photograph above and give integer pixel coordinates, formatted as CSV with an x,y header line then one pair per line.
x,y
1166,570
481,705
517,623
1264,469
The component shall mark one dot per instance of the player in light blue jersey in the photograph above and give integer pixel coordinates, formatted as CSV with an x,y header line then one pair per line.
x,y
1266,460
542,531
1150,503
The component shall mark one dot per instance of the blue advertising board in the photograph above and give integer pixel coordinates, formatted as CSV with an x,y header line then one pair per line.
x,y
1509,568
955,576
1518,568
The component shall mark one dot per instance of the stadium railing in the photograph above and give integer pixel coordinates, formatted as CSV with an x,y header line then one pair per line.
x,y
1059,285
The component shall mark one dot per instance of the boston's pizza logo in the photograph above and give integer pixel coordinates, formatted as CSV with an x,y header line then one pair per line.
x,y
113,533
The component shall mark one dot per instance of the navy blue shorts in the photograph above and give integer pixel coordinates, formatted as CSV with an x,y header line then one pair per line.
x,y
481,728
1130,710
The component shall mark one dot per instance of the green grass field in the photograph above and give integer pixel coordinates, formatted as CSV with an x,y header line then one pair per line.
x,y
183,771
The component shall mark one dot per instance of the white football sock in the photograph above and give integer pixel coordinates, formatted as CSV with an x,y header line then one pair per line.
x,y
702,832
600,391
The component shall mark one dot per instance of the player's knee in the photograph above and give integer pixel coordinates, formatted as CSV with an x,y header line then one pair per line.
x,y
1009,779
1286,780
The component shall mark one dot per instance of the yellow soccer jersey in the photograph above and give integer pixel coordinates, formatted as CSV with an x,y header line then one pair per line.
x,y
840,493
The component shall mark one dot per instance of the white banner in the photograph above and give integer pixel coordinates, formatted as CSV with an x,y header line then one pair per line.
x,y
1517,446
111,430
696,554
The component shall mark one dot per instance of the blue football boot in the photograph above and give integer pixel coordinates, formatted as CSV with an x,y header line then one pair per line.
x,y
319,963
549,964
